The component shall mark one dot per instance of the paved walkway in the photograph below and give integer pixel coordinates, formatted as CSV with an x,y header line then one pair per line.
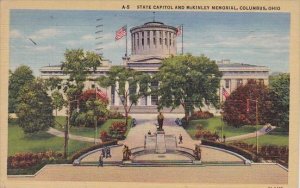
x,y
150,119
136,136
254,174
58,133
260,132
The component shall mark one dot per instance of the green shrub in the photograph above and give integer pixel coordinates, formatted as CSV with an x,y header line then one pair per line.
x,y
117,130
26,160
242,152
115,115
201,115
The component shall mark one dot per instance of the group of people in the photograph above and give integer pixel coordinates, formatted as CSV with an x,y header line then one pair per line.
x,y
105,153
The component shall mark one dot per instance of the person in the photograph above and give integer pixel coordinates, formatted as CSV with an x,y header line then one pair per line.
x,y
180,139
149,132
224,138
160,121
133,122
103,152
108,152
100,160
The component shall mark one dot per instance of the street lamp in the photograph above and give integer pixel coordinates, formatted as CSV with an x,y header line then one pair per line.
x,y
256,114
67,128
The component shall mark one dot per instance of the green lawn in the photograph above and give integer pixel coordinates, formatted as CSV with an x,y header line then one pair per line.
x,y
279,140
86,131
215,124
42,141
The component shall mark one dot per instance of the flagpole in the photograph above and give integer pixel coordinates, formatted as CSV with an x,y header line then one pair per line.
x,y
126,41
182,39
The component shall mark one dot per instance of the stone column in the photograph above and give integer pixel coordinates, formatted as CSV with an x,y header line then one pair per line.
x,y
117,98
149,96
137,91
127,89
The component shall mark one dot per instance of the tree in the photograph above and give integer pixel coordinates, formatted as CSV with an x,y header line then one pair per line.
x,y
17,79
78,65
239,112
58,101
34,109
189,81
130,85
280,91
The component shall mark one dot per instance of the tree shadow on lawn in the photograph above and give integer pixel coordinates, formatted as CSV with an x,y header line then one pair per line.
x,y
38,136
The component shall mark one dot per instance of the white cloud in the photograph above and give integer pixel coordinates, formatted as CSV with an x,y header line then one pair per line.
x,y
88,37
261,40
46,33
16,34
38,48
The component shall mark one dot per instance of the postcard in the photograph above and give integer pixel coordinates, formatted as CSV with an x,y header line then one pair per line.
x,y
149,93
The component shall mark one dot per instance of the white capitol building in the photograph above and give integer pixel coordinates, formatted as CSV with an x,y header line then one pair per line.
x,y
150,44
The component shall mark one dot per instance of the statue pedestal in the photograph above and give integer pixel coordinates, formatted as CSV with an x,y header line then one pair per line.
x,y
160,142
197,162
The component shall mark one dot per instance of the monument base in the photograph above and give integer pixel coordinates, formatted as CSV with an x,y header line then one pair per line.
x,y
160,142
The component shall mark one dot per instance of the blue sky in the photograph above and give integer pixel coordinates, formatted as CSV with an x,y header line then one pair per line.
x,y
253,38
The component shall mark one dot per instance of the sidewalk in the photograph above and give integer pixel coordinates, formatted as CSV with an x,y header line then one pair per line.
x,y
58,133
260,132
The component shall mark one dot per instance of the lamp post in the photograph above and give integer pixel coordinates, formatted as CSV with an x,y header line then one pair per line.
x,y
67,128
256,115
95,118
222,125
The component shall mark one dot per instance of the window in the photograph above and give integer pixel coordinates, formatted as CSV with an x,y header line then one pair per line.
x,y
143,42
227,83
239,82
170,42
148,33
160,34
148,41
166,42
154,99
154,41
160,41
261,81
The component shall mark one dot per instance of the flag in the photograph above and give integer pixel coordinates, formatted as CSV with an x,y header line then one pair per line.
x,y
248,106
178,31
121,32
101,93
225,93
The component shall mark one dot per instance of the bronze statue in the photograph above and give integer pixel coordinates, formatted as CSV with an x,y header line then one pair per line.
x,y
197,152
126,153
160,121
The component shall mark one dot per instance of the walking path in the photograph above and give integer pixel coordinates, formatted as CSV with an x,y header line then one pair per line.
x,y
264,130
58,133
150,119
136,136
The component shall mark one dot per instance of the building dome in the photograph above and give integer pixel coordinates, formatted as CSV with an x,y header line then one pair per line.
x,y
153,38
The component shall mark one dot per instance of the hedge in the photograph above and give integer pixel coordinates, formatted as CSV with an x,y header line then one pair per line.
x,y
242,152
94,147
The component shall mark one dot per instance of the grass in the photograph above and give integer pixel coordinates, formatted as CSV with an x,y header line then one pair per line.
x,y
38,142
215,124
88,131
279,140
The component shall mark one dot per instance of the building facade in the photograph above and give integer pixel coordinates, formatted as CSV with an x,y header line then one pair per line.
x,y
150,44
